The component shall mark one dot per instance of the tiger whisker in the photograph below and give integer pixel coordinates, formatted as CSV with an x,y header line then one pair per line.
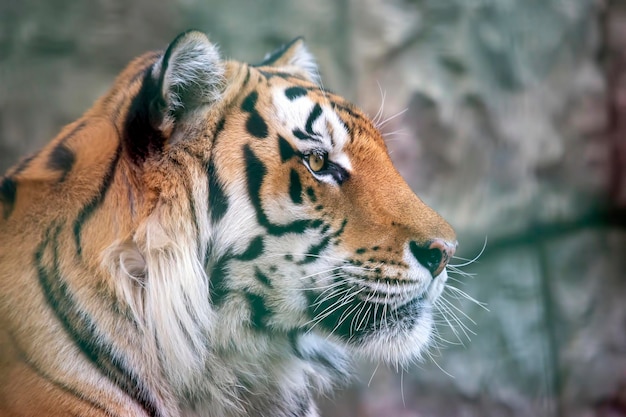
x,y
335,306
432,358
322,299
460,294
346,313
373,373
444,300
462,326
380,112
470,261
442,310
390,118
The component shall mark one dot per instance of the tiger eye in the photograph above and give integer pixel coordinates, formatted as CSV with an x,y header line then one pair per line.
x,y
316,161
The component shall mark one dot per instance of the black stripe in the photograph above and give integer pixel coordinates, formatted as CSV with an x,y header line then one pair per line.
x,y
73,132
82,329
312,254
262,278
293,337
249,102
61,159
8,192
304,136
255,124
316,223
293,93
88,210
342,228
255,174
254,250
8,187
217,281
295,187
285,149
259,311
247,79
311,193
218,200
315,114
218,129
24,164
347,109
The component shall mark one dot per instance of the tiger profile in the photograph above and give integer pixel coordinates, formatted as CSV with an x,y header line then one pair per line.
x,y
211,238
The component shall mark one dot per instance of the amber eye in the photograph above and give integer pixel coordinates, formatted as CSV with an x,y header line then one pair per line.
x,y
316,161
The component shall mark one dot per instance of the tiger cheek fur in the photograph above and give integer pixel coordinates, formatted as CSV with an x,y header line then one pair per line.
x,y
212,238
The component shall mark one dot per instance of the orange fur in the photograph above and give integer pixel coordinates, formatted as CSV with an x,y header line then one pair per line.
x,y
60,230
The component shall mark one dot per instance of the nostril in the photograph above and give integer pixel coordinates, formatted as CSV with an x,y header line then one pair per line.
x,y
434,256
428,257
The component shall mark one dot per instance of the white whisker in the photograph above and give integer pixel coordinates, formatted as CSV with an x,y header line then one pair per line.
x,y
470,261
373,373
390,118
460,294
443,299
439,366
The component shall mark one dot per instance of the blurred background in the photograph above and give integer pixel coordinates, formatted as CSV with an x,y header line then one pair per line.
x,y
508,117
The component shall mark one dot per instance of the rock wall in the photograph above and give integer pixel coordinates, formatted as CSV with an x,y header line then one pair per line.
x,y
508,117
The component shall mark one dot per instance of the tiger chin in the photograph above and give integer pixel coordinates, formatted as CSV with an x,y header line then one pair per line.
x,y
211,238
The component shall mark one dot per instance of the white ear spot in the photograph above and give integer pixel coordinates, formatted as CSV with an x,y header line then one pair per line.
x,y
193,73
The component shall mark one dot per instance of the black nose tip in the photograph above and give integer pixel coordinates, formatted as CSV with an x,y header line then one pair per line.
x,y
434,255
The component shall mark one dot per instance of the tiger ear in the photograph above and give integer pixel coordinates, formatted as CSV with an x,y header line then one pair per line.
x,y
188,76
294,54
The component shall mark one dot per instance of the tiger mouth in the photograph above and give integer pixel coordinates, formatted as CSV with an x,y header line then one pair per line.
x,y
355,312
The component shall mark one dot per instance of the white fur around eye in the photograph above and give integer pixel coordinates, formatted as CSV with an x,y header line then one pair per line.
x,y
293,115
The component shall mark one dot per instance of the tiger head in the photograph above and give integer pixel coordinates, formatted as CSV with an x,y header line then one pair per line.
x,y
308,226
232,211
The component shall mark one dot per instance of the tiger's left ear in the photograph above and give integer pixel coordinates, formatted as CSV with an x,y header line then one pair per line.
x,y
294,54
189,76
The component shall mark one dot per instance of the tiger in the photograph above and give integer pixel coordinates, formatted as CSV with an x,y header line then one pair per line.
x,y
211,238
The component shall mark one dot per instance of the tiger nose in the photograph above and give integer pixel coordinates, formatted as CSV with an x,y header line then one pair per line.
x,y
434,255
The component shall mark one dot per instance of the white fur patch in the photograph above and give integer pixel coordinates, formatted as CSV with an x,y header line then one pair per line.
x,y
332,135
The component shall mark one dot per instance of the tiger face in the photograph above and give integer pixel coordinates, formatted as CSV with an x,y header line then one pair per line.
x,y
218,239
337,243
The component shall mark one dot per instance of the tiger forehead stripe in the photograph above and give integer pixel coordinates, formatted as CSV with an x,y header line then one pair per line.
x,y
309,120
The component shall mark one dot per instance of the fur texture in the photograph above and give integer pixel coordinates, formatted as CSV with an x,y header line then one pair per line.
x,y
210,239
